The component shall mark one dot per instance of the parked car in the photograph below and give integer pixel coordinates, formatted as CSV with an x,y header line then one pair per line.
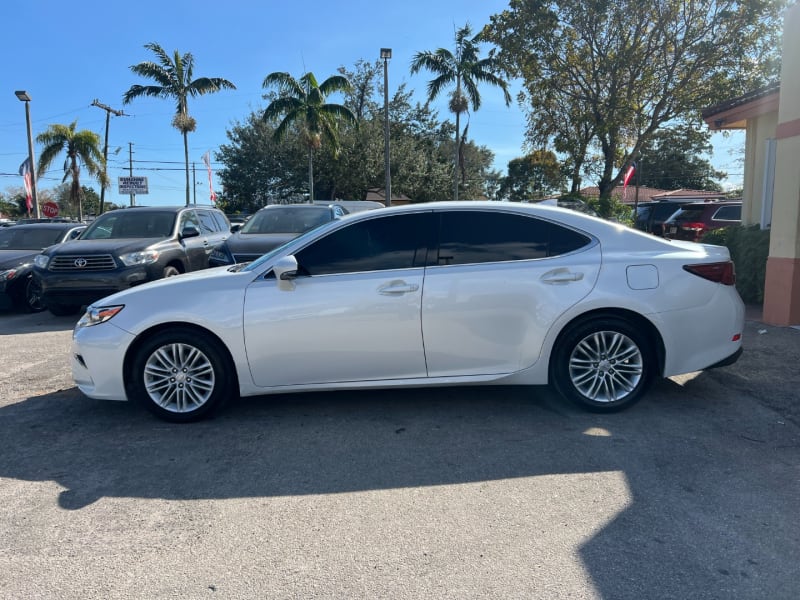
x,y
692,221
270,227
446,293
650,216
352,206
18,247
127,247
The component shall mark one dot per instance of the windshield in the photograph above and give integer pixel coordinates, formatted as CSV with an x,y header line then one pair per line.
x,y
289,219
131,224
29,238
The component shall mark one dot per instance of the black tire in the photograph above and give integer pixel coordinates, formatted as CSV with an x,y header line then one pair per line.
x,y
62,310
170,271
603,365
31,297
181,375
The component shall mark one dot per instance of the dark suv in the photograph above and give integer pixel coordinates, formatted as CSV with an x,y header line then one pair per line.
x,y
693,220
650,216
128,247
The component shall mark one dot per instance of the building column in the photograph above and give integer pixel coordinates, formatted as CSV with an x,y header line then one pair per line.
x,y
782,285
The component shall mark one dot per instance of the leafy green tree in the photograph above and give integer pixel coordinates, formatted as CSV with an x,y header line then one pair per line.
x,y
258,169
532,177
302,104
89,198
623,71
81,147
465,69
673,159
174,77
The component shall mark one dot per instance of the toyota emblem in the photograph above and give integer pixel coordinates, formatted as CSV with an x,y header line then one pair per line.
x,y
80,262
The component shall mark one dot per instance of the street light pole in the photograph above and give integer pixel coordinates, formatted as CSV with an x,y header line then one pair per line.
x,y
386,54
24,97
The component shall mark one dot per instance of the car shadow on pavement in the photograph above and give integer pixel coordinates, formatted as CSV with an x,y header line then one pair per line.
x,y
699,465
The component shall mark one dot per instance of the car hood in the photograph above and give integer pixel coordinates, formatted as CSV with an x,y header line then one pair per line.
x,y
116,246
13,258
252,243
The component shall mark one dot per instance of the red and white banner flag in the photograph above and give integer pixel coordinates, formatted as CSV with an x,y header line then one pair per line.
x,y
25,171
207,162
626,180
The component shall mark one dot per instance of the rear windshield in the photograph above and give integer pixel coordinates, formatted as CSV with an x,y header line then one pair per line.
x,y
29,238
131,224
689,213
287,220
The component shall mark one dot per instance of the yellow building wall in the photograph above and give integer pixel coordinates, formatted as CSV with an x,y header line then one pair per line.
x,y
782,286
759,130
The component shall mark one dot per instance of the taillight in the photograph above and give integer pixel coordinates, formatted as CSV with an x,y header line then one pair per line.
x,y
721,272
693,226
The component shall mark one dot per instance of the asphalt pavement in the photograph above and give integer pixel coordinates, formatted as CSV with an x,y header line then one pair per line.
x,y
471,492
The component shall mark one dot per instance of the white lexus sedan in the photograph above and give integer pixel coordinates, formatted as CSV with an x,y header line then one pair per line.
x,y
427,294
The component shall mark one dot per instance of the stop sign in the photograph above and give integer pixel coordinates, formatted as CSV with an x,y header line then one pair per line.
x,y
50,209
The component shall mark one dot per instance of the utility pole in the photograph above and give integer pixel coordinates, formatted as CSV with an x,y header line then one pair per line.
x,y
194,184
118,113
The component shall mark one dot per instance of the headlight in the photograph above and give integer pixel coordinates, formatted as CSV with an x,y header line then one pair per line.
x,y
145,257
41,261
8,274
95,315
220,255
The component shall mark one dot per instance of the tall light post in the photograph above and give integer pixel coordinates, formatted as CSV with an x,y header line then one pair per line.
x,y
24,97
386,54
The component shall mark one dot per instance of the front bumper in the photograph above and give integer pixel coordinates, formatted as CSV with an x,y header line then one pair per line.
x,y
98,360
85,288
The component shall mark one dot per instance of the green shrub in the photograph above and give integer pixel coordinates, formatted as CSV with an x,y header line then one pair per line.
x,y
749,248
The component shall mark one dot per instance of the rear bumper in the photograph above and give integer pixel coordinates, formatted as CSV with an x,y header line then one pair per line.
x,y
727,361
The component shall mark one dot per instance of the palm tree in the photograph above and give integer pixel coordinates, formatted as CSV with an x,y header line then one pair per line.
x,y
174,78
302,103
464,69
82,147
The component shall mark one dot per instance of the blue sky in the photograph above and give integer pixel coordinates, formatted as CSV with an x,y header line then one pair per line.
x,y
67,55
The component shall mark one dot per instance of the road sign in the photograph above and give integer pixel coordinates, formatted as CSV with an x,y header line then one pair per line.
x,y
133,185
50,209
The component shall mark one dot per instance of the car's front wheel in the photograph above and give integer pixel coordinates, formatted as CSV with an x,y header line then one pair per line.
x,y
603,365
170,271
32,299
181,375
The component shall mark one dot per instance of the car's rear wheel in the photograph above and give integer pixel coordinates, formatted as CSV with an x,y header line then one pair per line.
x,y
32,298
62,310
603,365
181,375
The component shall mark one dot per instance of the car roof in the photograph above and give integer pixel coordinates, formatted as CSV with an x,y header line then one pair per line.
x,y
51,225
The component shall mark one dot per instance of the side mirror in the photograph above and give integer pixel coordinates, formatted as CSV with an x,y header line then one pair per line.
x,y
285,270
235,227
189,231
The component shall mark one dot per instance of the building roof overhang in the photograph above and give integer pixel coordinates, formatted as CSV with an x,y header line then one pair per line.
x,y
734,114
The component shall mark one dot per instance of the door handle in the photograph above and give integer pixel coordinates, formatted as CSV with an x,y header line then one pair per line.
x,y
397,288
561,276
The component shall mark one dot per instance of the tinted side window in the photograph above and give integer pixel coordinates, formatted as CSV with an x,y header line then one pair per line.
x,y
392,242
207,222
189,218
222,221
479,236
728,213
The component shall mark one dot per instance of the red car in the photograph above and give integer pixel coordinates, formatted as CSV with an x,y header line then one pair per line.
x,y
693,220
